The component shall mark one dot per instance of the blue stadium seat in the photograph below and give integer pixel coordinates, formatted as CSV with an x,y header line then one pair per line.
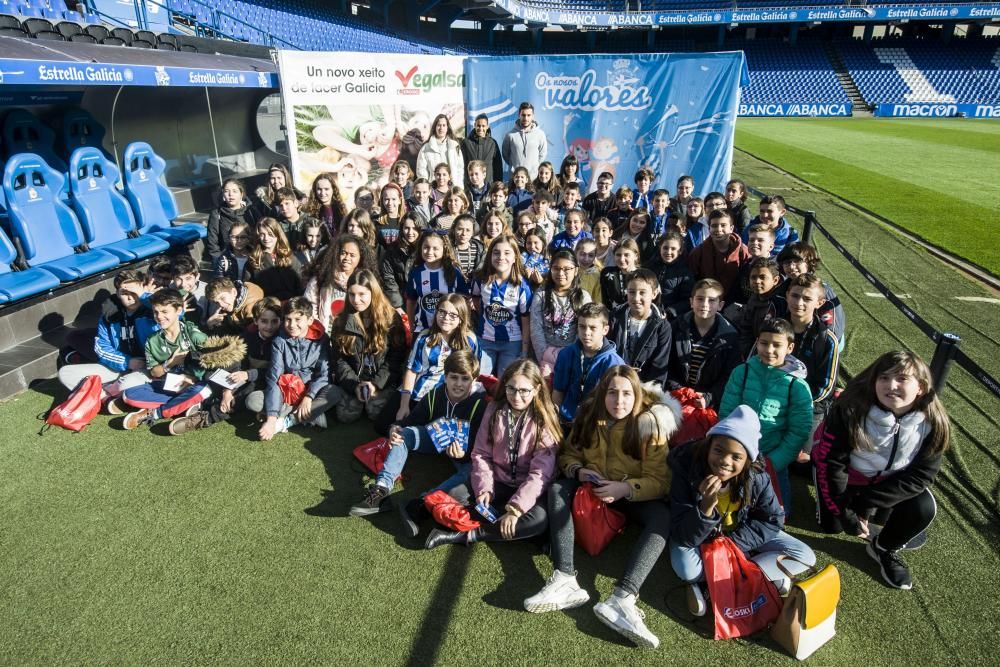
x,y
45,226
16,285
152,202
23,132
103,211
80,129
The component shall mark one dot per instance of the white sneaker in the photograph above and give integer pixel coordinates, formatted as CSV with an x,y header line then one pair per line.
x,y
620,613
286,423
560,592
696,600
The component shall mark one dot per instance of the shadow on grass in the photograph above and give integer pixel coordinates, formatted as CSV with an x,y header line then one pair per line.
x,y
440,609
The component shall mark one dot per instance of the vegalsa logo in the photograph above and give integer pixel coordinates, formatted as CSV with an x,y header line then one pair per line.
x,y
415,82
745,610
621,93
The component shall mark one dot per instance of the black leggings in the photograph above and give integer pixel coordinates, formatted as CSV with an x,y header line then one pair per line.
x,y
908,519
529,524
652,515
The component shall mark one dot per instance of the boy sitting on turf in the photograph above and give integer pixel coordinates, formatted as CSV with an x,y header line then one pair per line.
x,y
248,376
297,389
764,281
430,429
580,366
172,359
673,275
233,301
772,216
639,330
772,384
706,345
118,349
720,256
187,279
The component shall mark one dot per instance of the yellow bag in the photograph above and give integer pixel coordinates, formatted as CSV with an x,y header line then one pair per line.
x,y
809,616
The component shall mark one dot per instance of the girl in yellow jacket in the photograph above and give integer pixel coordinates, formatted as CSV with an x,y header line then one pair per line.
x,y
619,444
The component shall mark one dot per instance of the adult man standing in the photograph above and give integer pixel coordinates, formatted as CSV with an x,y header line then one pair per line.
x,y
480,145
525,145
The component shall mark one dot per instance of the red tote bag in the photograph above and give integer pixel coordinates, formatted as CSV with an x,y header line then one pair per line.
x,y
449,512
372,454
80,408
594,523
744,601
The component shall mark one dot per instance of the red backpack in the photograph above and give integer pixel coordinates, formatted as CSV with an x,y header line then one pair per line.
x,y
80,408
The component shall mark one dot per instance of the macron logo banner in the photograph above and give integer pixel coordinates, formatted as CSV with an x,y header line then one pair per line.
x,y
674,113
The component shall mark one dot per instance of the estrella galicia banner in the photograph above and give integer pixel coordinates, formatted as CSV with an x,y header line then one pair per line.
x,y
675,113
355,114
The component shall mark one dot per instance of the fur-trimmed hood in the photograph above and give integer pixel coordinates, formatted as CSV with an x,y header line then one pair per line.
x,y
222,352
662,419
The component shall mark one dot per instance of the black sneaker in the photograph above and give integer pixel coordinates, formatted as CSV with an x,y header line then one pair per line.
x,y
373,502
894,570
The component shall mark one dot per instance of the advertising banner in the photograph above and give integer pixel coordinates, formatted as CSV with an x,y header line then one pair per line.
x,y
794,109
355,114
937,110
674,113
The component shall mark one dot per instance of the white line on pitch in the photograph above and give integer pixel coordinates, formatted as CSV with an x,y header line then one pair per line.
x,y
982,299
879,295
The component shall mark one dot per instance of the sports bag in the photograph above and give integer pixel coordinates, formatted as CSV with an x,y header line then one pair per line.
x,y
449,512
80,408
744,601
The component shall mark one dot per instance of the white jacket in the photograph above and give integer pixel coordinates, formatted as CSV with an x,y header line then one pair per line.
x,y
897,442
434,152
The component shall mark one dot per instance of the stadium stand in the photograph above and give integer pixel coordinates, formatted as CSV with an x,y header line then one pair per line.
x,y
913,71
783,73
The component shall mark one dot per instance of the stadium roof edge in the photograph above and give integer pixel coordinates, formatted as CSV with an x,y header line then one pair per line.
x,y
27,62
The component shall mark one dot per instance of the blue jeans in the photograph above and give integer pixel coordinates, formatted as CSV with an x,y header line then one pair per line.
x,y
417,439
687,564
501,353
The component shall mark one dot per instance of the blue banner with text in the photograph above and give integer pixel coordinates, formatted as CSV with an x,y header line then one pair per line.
x,y
674,113
772,109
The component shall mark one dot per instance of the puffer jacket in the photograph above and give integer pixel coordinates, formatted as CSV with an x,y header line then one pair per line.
x,y
603,453
535,465
487,150
782,401
307,357
221,220
758,520
383,369
434,152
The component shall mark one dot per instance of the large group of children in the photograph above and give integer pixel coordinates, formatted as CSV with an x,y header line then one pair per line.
x,y
582,312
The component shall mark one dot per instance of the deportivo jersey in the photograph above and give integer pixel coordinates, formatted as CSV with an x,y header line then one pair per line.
x,y
502,305
426,287
427,362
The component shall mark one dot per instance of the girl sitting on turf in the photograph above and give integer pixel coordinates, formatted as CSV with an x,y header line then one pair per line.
x,y
619,444
369,345
876,456
513,460
719,484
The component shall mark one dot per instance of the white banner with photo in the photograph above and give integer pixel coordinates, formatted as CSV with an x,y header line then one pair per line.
x,y
355,114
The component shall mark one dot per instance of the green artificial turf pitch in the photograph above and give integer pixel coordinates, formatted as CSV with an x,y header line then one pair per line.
x,y
939,179
213,548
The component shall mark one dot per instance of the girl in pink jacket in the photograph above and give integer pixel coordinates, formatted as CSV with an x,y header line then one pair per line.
x,y
513,461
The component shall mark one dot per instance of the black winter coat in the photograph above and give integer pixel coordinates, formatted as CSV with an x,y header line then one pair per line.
x,y
651,352
221,220
676,281
384,369
485,149
720,361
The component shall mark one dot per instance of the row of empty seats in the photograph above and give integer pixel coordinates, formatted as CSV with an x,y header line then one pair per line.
x,y
69,30
780,73
898,71
59,226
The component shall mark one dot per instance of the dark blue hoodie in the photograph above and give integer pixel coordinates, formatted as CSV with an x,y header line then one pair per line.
x,y
569,379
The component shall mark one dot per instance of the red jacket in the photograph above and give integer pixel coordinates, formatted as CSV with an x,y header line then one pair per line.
x,y
707,262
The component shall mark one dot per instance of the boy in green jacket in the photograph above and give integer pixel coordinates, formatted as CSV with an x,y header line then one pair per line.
x,y
773,384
